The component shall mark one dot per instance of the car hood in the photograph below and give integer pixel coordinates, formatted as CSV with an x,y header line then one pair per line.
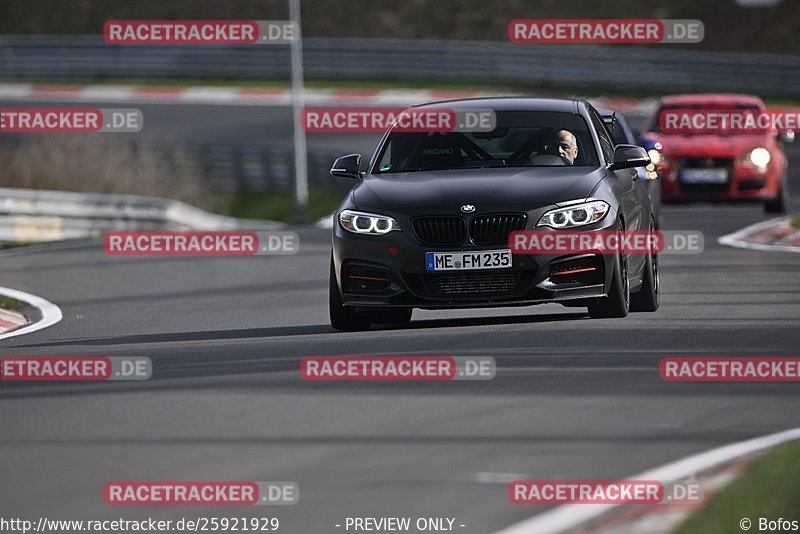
x,y
503,188
705,146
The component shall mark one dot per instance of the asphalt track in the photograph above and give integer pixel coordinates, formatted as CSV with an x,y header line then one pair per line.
x,y
574,398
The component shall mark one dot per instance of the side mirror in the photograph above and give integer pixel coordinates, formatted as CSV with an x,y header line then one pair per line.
x,y
628,156
347,166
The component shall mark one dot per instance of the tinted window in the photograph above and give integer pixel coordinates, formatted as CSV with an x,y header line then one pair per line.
x,y
606,143
618,133
521,139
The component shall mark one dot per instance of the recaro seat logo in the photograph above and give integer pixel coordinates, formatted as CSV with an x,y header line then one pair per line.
x,y
437,151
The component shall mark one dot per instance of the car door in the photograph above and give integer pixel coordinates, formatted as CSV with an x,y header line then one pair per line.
x,y
651,187
629,191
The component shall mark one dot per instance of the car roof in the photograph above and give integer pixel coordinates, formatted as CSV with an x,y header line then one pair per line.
x,y
716,99
511,103
606,113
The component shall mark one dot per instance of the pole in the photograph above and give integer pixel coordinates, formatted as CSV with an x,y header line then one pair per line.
x,y
298,102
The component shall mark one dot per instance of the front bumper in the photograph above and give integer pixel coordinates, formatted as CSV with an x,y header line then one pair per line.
x,y
744,184
390,271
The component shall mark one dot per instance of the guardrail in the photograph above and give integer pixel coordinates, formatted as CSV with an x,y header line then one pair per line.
x,y
237,168
608,69
262,170
30,216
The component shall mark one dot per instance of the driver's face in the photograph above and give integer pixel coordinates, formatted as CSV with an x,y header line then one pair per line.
x,y
565,146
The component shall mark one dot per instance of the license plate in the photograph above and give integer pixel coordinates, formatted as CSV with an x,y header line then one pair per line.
x,y
704,176
464,261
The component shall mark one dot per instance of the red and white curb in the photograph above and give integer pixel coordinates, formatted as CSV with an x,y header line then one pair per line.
x,y
221,95
666,517
11,320
245,96
776,235
578,516
51,314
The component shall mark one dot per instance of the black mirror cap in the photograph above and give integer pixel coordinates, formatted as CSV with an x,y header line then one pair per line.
x,y
629,156
347,166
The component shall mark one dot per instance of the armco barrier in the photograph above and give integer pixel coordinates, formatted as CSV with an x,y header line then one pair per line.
x,y
29,216
665,68
235,168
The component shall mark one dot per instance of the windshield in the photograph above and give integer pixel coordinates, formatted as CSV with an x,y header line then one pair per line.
x,y
521,139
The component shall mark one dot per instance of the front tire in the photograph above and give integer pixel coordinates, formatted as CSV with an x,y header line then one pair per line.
x,y
617,303
649,296
343,318
779,204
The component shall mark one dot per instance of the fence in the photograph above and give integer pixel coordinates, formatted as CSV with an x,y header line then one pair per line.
x,y
608,69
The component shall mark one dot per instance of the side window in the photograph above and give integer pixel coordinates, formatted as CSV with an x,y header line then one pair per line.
x,y
606,144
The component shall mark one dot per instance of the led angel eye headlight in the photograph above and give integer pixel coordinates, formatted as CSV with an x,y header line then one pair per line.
x,y
577,215
367,223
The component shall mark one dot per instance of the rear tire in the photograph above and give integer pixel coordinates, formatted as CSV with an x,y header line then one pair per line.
x,y
649,296
779,204
617,303
344,318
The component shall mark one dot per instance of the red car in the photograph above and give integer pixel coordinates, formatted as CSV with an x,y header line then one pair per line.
x,y
719,165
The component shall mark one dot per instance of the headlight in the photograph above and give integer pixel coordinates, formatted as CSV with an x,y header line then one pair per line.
x,y
657,160
758,156
655,156
577,215
367,223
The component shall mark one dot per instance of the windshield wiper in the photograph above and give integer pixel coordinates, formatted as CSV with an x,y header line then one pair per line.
x,y
483,166
490,163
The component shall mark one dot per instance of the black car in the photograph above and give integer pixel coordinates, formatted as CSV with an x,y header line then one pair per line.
x,y
623,134
427,194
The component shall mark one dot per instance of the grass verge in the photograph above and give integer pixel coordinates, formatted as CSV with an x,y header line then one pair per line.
x,y
7,303
770,489
796,221
86,164
280,206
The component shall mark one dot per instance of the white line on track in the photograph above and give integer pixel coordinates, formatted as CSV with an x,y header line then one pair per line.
x,y
737,238
571,516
